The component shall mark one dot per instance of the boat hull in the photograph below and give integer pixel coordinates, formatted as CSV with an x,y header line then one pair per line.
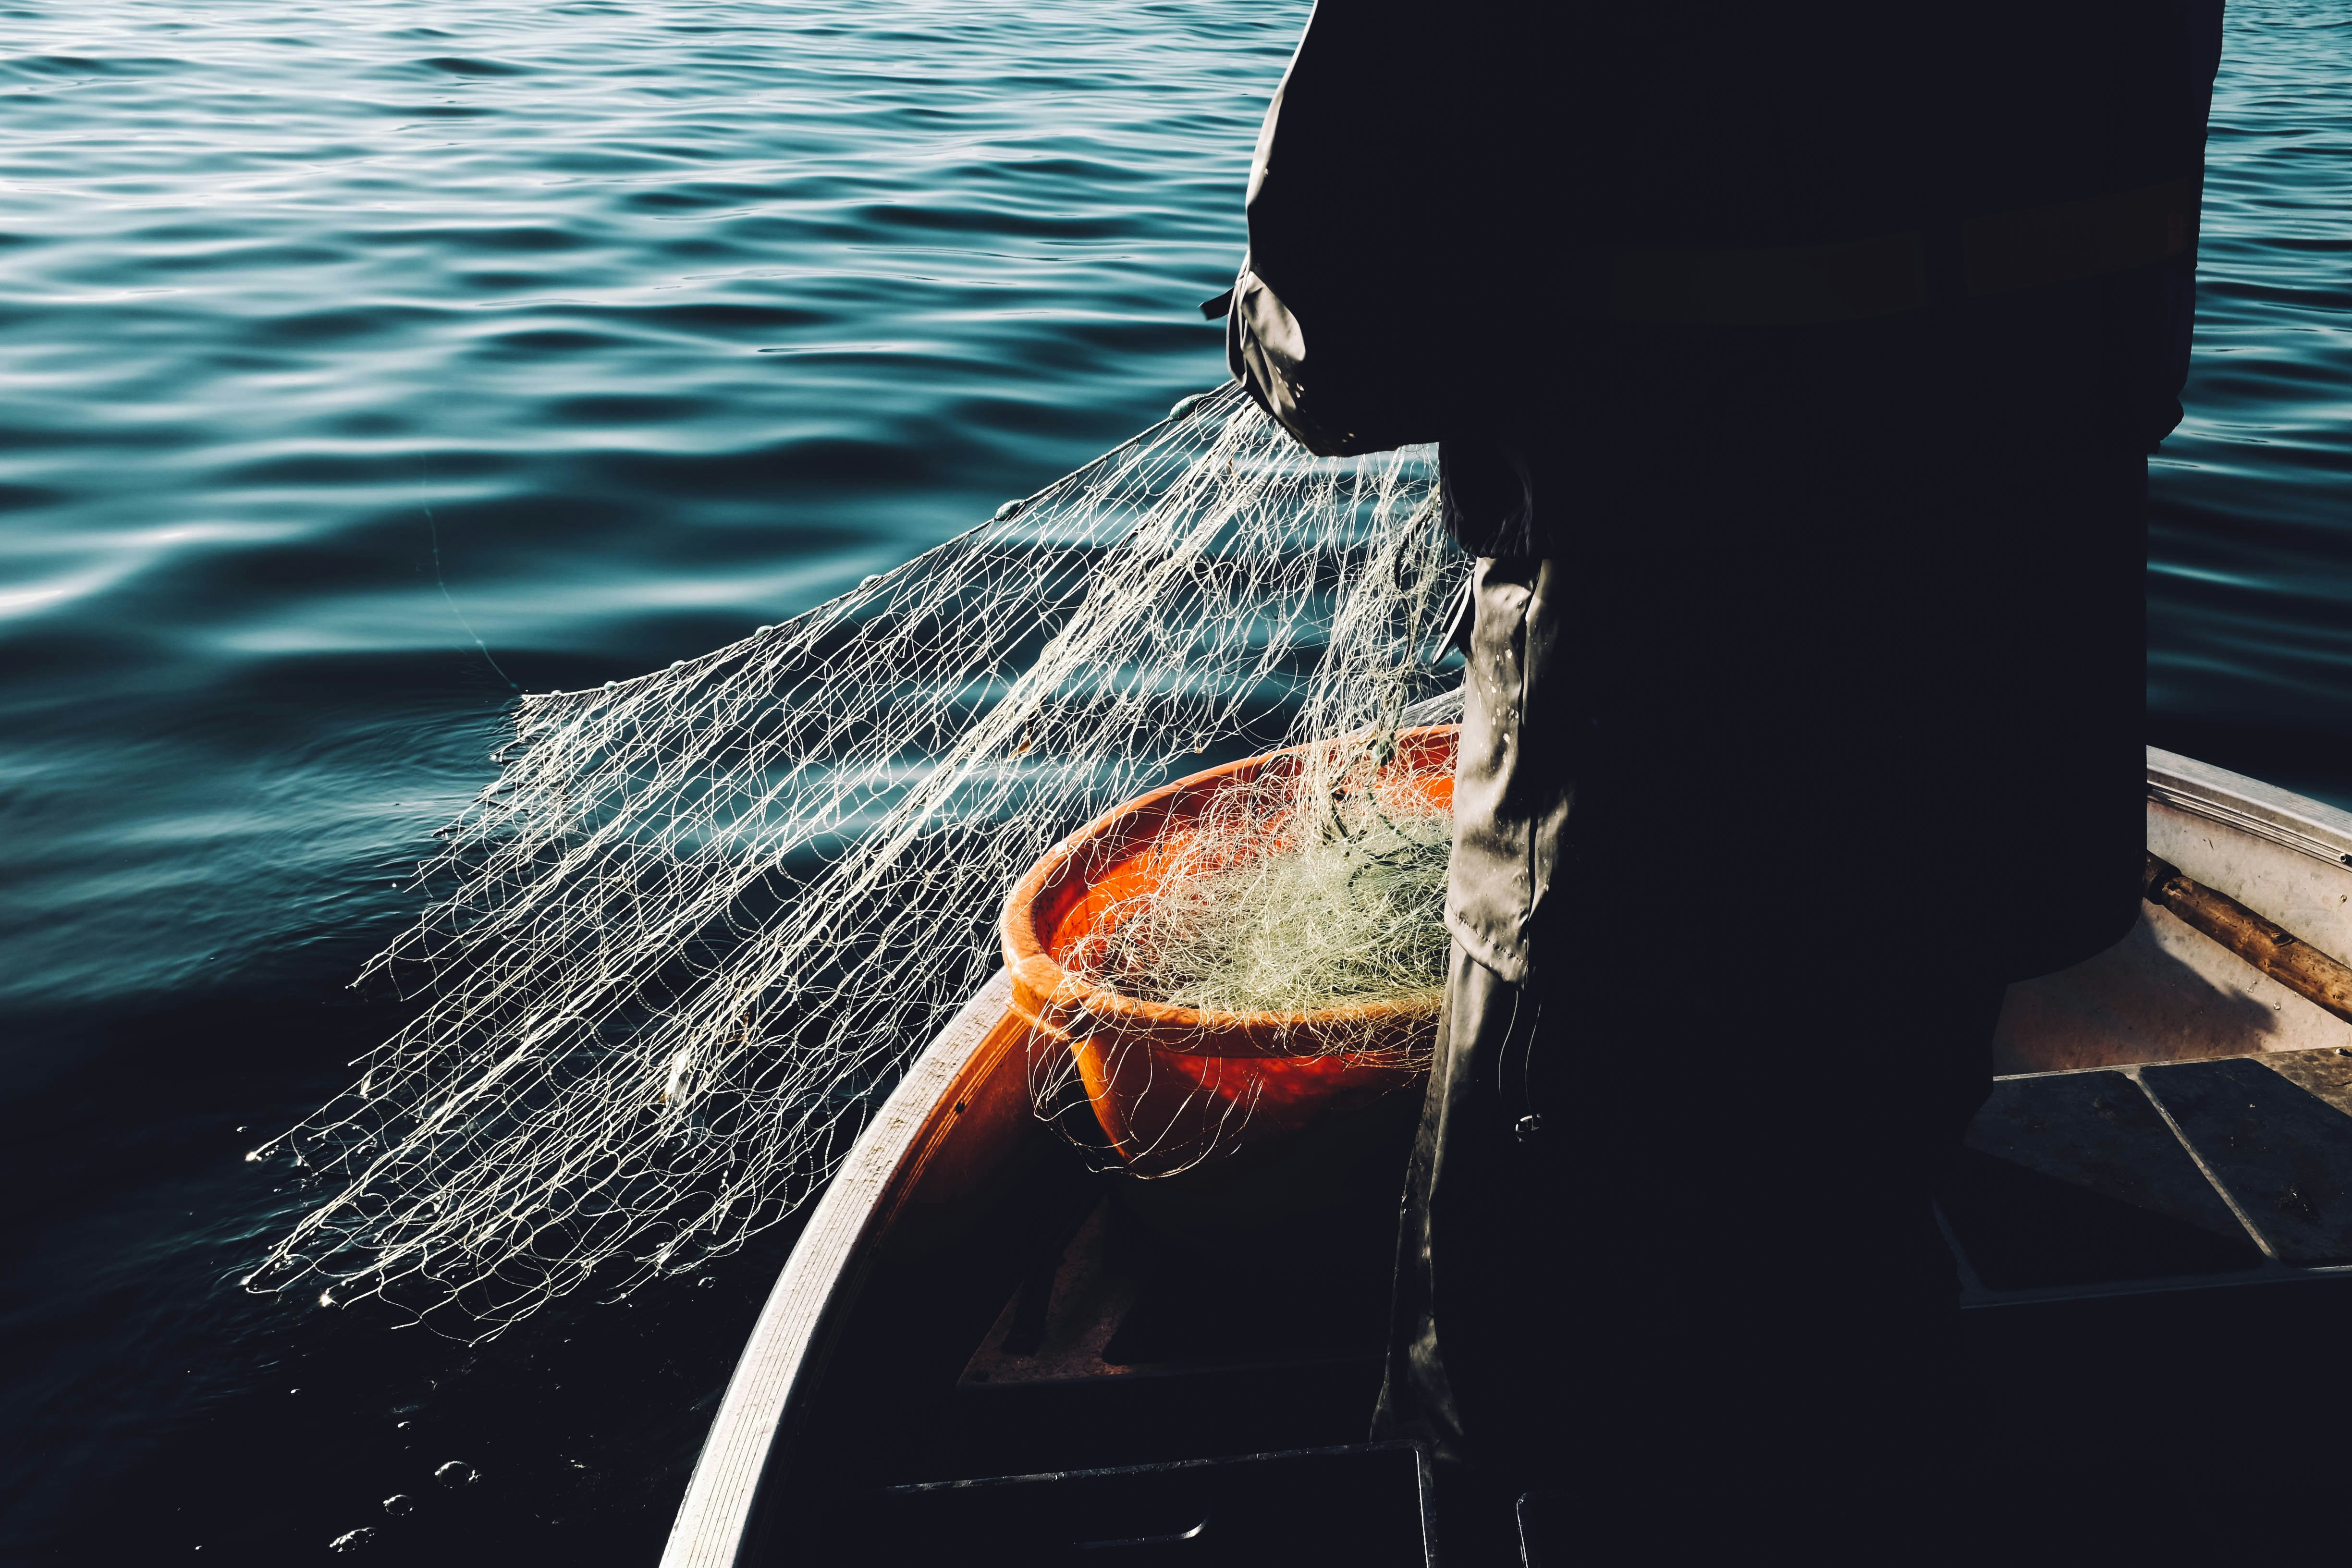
x,y
2152,1217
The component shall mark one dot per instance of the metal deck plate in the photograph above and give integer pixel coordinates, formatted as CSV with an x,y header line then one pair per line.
x,y
2074,1179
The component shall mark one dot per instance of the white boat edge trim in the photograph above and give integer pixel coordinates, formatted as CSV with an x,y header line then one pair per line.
x,y
2251,806
717,1509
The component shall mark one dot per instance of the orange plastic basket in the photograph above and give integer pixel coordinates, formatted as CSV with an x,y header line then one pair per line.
x,y
1171,1085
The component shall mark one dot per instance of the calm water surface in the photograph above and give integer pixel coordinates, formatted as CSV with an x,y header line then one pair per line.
x,y
362,363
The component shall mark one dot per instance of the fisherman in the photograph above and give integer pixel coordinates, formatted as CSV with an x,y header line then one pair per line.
x,y
1794,371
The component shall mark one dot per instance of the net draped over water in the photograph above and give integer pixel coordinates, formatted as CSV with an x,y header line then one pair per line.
x,y
704,918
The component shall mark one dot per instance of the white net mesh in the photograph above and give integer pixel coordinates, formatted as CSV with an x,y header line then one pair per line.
x,y
1289,894
702,918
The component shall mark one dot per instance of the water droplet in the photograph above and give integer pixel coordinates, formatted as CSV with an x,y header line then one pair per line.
x,y
1007,510
353,1540
764,631
325,1298
456,1473
398,1504
869,581
677,664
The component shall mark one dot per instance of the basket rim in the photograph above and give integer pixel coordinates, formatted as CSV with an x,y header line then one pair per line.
x,y
1037,971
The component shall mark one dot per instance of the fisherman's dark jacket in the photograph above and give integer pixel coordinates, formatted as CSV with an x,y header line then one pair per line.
x,y
1855,309
1649,230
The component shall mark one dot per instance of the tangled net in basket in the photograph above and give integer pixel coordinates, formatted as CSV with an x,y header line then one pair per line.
x,y
1298,891
679,948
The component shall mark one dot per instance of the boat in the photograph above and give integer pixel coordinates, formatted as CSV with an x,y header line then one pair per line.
x,y
987,1345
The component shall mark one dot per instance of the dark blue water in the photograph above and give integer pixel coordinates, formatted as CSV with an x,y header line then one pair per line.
x,y
362,363
2250,551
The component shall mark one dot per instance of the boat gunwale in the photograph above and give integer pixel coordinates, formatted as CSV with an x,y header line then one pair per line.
x,y
784,1356
2251,806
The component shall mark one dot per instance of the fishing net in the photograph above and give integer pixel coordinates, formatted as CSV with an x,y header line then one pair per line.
x,y
1288,895
701,919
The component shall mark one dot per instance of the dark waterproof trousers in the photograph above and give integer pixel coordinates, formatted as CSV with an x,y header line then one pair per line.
x,y
1747,844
